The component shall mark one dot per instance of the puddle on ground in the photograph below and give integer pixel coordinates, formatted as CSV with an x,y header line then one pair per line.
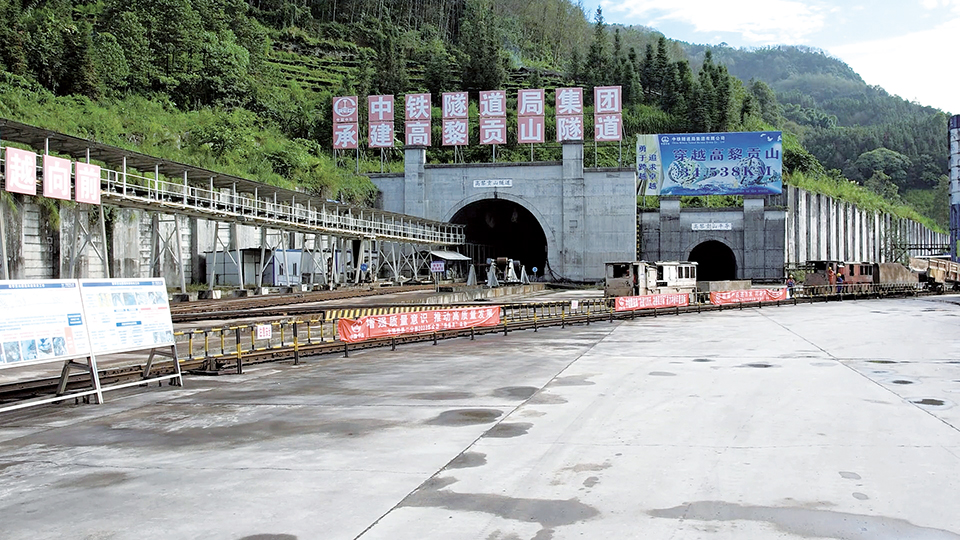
x,y
860,496
901,381
850,475
759,365
546,398
508,430
808,522
515,392
549,513
589,467
442,396
465,417
573,380
468,460
882,361
591,481
928,401
702,360
662,374
269,537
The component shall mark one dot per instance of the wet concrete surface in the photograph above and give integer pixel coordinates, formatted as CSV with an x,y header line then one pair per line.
x,y
783,422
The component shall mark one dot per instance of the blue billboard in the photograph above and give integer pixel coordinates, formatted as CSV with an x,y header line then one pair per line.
x,y
745,163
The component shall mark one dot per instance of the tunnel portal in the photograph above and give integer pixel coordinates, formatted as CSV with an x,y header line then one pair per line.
x,y
508,228
716,261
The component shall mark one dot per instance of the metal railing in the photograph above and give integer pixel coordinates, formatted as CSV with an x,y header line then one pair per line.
x,y
127,189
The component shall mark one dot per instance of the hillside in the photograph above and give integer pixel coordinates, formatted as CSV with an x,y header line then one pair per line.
x,y
246,87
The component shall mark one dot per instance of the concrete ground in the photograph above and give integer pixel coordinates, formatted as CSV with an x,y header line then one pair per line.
x,y
818,421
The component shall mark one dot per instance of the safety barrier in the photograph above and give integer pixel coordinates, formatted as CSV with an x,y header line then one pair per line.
x,y
215,348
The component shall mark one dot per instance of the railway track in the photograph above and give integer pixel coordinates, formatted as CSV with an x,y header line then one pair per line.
x,y
219,356
283,303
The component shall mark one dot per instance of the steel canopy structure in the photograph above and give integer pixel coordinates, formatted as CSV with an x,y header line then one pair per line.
x,y
180,189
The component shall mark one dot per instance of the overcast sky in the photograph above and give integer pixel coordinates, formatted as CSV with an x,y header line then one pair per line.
x,y
910,48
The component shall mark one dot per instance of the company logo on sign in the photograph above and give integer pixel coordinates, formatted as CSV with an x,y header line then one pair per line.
x,y
345,106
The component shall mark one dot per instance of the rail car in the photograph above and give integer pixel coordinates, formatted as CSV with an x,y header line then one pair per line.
x,y
937,273
860,277
637,278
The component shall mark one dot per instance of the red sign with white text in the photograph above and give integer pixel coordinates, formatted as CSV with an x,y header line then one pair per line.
x,y
650,301
56,177
748,295
21,171
88,183
376,326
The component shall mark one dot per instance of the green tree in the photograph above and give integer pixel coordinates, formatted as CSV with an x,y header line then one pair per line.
x,y
110,63
598,62
484,67
893,165
438,70
391,62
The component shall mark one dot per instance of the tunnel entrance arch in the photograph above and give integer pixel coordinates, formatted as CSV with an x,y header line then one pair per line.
x,y
508,228
716,261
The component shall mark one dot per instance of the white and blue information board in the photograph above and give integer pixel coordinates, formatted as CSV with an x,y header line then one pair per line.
x,y
127,314
41,321
46,320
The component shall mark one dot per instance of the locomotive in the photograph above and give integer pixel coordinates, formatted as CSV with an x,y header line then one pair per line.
x,y
638,278
839,277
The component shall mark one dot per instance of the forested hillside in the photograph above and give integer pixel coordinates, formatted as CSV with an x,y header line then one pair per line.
x,y
246,87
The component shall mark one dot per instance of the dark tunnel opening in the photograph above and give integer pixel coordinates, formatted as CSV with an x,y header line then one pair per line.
x,y
508,228
716,261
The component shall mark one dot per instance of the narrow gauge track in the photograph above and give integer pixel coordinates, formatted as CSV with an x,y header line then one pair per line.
x,y
234,307
515,316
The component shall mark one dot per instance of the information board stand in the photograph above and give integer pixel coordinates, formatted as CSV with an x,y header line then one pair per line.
x,y
50,320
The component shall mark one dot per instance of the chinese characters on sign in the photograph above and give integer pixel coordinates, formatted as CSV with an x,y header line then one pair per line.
x,y
711,163
88,183
531,126
493,117
346,127
56,177
418,115
648,165
492,113
650,301
712,226
495,183
380,121
455,119
748,295
375,326
21,176
607,114
21,167
569,108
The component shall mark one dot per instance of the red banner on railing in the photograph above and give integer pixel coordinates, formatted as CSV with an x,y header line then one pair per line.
x,y
650,301
375,326
748,295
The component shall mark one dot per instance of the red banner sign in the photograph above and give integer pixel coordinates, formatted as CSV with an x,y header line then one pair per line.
x,y
748,295
376,326
650,301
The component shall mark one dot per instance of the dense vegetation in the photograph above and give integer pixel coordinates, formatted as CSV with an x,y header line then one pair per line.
x,y
246,87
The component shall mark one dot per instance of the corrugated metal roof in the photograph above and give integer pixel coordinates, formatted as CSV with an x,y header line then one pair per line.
x,y
450,255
